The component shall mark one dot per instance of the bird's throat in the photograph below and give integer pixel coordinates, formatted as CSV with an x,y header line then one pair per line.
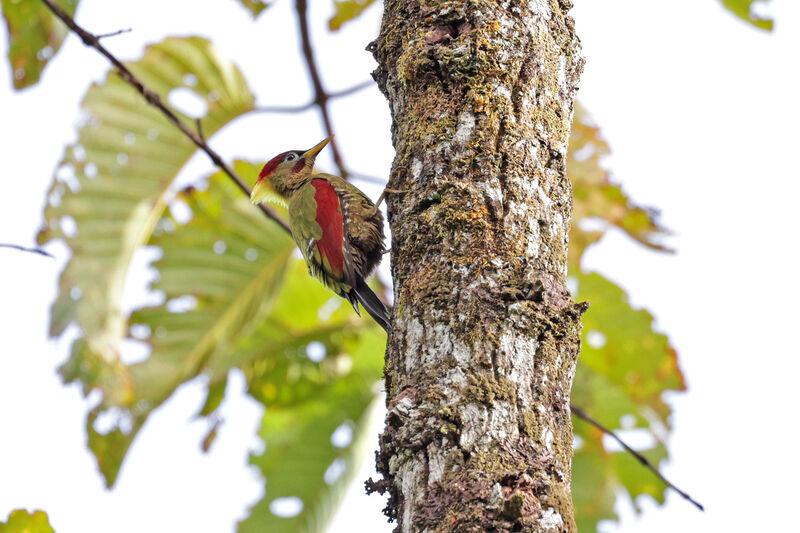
x,y
286,185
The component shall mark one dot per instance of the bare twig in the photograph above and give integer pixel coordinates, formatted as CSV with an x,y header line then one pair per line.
x,y
580,413
155,100
351,90
199,123
312,103
28,250
113,33
320,96
285,108
366,177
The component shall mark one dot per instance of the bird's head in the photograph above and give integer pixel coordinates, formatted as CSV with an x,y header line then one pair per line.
x,y
284,173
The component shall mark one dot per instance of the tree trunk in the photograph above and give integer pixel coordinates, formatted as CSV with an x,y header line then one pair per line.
x,y
485,336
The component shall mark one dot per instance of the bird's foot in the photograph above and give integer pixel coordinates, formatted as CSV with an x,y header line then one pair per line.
x,y
381,198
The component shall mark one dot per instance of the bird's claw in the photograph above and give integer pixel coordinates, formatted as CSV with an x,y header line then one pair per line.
x,y
381,198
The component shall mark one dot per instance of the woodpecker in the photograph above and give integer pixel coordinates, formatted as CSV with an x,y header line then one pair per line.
x,y
336,226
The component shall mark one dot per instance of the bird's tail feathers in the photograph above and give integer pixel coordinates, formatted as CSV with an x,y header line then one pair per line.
x,y
371,303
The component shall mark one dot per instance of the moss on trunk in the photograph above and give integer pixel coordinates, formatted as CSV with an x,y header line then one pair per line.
x,y
485,335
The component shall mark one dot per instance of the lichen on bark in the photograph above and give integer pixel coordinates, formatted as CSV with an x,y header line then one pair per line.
x,y
485,336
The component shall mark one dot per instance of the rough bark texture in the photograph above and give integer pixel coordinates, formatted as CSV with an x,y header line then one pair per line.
x,y
485,336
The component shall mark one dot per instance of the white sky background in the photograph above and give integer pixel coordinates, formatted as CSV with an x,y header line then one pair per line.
x,y
702,115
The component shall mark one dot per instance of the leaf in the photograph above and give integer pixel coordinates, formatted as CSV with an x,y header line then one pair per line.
x,y
747,10
21,521
623,371
593,480
596,198
255,6
347,10
219,273
302,458
34,37
314,364
624,366
112,188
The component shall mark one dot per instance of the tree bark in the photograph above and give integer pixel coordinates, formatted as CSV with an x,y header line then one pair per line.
x,y
485,336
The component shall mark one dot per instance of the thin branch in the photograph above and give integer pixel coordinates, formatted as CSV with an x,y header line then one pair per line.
x,y
198,122
352,90
305,107
155,100
320,96
28,250
113,33
580,413
285,108
366,177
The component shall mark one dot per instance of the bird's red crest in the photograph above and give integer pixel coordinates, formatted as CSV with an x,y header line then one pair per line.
x,y
271,165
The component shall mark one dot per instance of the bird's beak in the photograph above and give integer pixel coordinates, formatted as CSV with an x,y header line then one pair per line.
x,y
311,153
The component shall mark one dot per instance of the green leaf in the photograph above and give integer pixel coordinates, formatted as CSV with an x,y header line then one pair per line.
x,y
255,6
596,198
307,398
301,460
21,521
34,37
593,481
744,10
219,273
113,186
623,371
347,10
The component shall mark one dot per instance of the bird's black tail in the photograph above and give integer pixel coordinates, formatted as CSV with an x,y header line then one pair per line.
x,y
371,303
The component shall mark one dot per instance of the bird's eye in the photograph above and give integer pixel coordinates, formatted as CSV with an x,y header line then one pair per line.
x,y
290,157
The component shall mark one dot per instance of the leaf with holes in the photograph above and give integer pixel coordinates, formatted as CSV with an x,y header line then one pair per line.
x,y
623,372
112,188
34,37
313,363
281,358
347,10
597,199
748,11
219,273
255,6
21,521
315,441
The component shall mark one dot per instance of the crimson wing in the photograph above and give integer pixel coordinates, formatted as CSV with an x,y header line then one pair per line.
x,y
319,229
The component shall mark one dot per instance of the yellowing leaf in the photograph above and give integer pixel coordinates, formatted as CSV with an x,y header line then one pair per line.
x,y
112,187
219,274
347,10
34,37
624,367
21,521
255,6
106,201
233,298
596,198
